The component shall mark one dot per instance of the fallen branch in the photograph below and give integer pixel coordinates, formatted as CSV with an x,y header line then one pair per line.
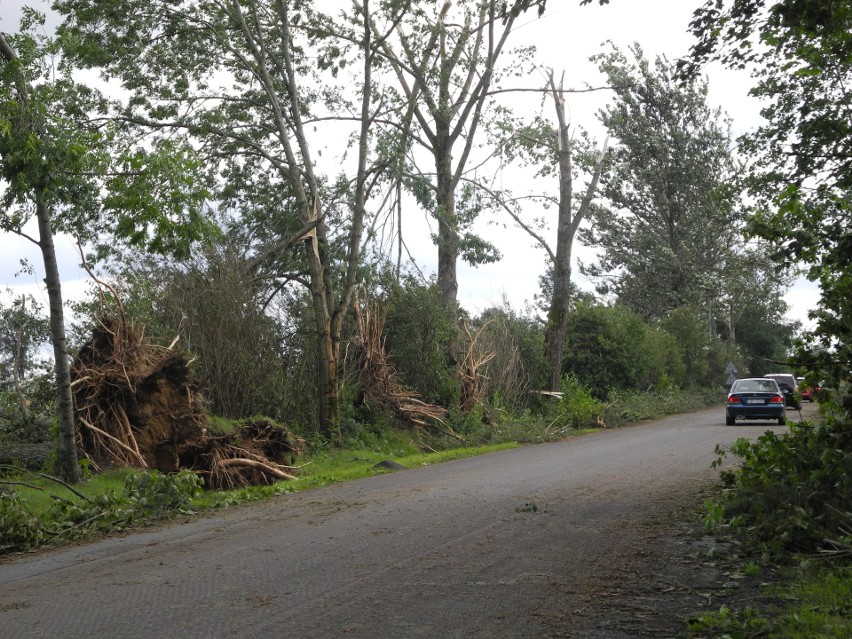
x,y
21,483
73,490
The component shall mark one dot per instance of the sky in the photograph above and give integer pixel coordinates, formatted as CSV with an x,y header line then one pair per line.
x,y
565,38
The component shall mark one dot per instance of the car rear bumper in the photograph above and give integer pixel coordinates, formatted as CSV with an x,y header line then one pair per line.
x,y
772,411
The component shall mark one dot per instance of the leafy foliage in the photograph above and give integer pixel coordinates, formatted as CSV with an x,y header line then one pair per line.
x,y
418,331
577,408
155,494
19,528
672,220
611,348
793,491
144,497
518,365
799,54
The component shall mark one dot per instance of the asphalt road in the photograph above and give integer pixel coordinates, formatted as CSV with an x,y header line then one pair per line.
x,y
503,545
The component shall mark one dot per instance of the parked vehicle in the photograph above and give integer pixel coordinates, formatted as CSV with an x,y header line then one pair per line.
x,y
805,391
787,384
755,398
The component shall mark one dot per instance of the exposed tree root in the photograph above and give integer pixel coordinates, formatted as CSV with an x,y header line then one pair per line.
x,y
136,406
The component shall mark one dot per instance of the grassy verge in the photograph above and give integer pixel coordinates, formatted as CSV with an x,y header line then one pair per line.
x,y
323,468
36,511
816,603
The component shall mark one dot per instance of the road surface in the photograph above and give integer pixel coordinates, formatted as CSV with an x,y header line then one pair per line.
x,y
510,544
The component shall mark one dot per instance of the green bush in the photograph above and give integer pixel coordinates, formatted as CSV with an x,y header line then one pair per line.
x,y
611,348
154,493
793,491
518,364
19,528
578,408
417,334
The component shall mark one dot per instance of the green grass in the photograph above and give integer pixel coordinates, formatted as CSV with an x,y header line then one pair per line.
x,y
42,497
817,604
323,468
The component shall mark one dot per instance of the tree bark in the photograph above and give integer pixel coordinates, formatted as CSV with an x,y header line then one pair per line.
x,y
448,247
557,315
566,228
66,444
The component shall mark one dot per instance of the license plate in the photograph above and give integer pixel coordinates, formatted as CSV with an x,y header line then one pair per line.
x,y
755,401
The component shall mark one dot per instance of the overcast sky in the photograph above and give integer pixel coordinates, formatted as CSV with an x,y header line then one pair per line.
x,y
565,38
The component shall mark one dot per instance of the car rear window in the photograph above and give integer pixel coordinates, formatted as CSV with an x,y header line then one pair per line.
x,y
756,386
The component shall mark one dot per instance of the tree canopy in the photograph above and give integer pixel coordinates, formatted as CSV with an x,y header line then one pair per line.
x,y
800,55
672,218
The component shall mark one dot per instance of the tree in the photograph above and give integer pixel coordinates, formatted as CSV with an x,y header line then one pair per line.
x,y
37,154
801,172
673,218
71,173
547,147
23,330
445,69
246,82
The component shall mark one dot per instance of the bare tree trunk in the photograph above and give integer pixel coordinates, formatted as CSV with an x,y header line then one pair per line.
x,y
448,248
66,446
17,364
557,315
566,228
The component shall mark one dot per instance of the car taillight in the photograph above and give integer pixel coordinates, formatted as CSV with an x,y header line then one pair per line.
x,y
776,399
734,399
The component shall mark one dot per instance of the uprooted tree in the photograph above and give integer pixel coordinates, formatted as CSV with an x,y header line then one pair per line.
x,y
256,93
137,406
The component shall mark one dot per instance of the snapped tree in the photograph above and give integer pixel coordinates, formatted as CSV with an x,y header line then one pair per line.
x,y
546,147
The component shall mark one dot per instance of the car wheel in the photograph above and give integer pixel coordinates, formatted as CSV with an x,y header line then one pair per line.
x,y
730,421
782,421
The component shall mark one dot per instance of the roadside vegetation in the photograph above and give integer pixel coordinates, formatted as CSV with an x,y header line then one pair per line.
x,y
257,278
38,509
789,504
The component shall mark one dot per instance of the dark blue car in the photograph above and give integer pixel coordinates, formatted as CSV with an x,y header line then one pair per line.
x,y
755,398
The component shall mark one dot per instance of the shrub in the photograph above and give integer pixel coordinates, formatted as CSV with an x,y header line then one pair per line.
x,y
19,528
610,347
578,408
518,365
793,491
418,331
154,493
